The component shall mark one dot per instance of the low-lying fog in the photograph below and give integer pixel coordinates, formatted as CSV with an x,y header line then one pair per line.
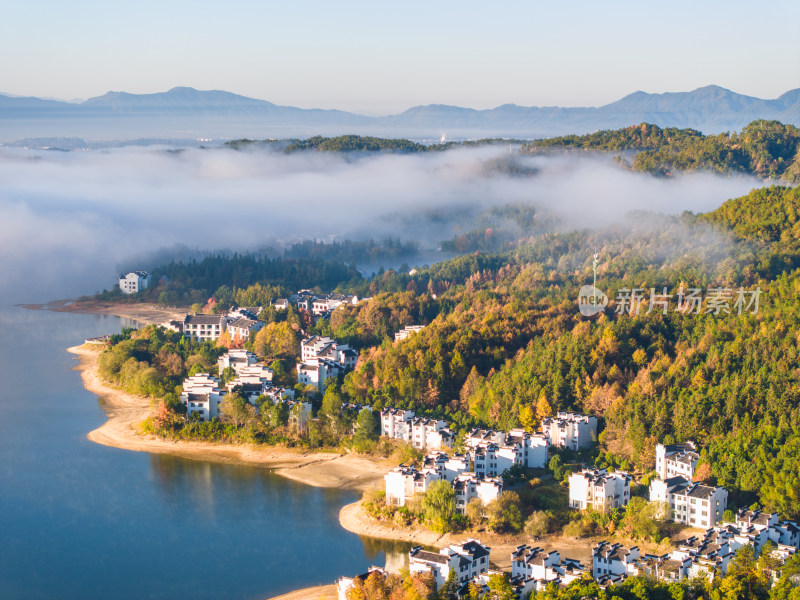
x,y
70,220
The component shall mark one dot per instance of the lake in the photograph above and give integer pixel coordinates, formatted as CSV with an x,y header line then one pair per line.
x,y
79,520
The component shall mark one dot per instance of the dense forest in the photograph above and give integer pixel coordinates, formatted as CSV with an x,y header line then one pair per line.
x,y
362,144
767,149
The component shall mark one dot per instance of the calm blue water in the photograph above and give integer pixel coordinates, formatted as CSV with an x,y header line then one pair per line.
x,y
79,520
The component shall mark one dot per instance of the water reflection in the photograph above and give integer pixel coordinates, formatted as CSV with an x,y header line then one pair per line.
x,y
80,520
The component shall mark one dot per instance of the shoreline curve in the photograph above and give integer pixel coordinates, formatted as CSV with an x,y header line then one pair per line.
x,y
126,411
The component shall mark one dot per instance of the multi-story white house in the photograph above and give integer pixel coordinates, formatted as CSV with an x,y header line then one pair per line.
x,y
323,358
446,466
571,430
694,504
204,327
403,483
467,559
598,489
430,434
201,395
407,331
676,460
534,563
612,559
531,448
497,451
236,359
533,569
396,423
468,486
785,533
241,328
135,281
420,432
317,372
345,583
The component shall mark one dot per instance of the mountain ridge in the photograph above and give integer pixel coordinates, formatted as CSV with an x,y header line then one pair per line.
x,y
710,109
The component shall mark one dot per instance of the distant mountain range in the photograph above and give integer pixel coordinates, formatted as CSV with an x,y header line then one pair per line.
x,y
186,113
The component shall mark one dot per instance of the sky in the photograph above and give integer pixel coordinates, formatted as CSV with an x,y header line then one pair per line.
x,y
382,58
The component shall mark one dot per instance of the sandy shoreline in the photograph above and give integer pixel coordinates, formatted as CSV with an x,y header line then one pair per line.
x,y
126,411
146,313
318,592
353,519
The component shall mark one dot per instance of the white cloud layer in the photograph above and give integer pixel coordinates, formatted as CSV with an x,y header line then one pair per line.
x,y
68,221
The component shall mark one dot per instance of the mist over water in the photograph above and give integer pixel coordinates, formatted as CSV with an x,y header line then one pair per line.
x,y
70,220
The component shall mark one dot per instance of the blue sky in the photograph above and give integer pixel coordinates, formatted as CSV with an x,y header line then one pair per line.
x,y
381,58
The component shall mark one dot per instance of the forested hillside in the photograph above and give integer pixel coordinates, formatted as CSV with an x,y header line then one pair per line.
x,y
505,343
767,149
508,344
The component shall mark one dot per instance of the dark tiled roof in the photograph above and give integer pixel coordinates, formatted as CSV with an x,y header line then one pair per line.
x,y
203,319
429,557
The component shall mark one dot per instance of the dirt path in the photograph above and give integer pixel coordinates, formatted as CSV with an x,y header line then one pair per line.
x,y
126,411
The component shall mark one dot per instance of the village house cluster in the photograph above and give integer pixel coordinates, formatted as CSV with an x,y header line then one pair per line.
x,y
319,305
202,394
240,323
690,503
323,358
533,568
477,472
708,555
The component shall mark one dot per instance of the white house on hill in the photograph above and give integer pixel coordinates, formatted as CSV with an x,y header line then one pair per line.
x,y
598,489
201,395
204,327
571,430
467,559
694,504
135,281
676,460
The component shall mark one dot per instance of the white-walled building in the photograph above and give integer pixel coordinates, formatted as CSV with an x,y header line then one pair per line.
x,y
497,451
345,583
598,489
612,559
329,349
201,395
204,327
694,504
236,359
421,432
534,563
467,559
323,358
676,460
317,372
468,486
135,281
531,448
407,331
785,533
403,483
241,328
571,430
